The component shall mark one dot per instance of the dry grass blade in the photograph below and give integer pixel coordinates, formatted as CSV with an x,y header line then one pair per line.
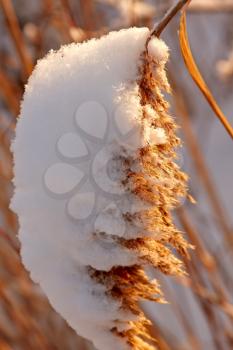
x,y
196,75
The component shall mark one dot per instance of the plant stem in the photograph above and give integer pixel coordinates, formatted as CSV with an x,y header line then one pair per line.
x,y
17,36
160,26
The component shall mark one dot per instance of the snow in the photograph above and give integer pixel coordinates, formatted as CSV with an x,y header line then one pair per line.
x,y
62,178
70,145
81,205
158,136
84,119
110,221
70,111
80,106
150,112
158,50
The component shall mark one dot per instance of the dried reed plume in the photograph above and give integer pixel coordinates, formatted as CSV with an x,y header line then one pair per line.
x,y
160,185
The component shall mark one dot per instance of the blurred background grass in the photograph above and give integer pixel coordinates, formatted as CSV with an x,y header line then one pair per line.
x,y
200,312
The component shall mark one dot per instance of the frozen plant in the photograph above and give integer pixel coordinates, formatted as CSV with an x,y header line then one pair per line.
x,y
95,183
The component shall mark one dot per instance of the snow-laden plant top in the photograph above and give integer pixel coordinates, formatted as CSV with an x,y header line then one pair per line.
x,y
95,181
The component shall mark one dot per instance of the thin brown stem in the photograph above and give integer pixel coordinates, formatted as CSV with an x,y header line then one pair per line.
x,y
14,29
161,25
10,92
67,10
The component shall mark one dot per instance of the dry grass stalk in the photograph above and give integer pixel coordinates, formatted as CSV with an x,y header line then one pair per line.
x,y
16,34
10,93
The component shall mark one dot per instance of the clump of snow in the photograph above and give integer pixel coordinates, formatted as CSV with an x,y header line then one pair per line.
x,y
150,112
157,136
81,107
70,112
158,50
